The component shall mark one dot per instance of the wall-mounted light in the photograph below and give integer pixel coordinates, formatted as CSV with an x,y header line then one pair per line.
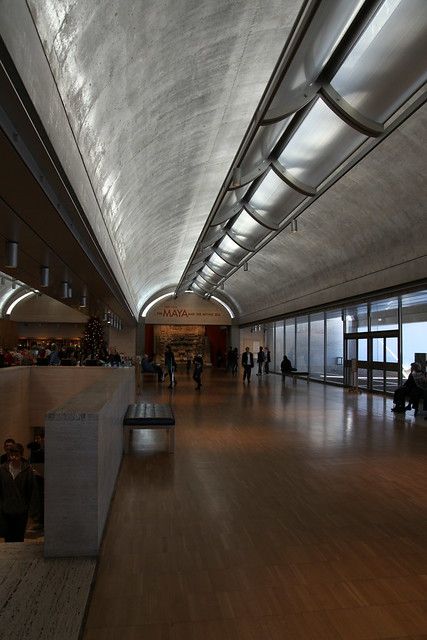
x,y
17,301
44,276
64,290
11,254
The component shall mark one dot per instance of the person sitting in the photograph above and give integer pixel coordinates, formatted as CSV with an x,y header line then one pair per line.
x,y
148,366
405,391
286,366
419,392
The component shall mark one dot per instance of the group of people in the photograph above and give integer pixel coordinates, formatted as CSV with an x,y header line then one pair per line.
x,y
21,488
263,362
414,390
149,366
53,355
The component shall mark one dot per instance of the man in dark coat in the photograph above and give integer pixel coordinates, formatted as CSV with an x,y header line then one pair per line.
x,y
18,495
247,364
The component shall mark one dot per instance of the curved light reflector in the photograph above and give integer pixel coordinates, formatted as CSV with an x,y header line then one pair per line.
x,y
219,265
274,199
248,231
321,143
398,51
210,275
328,26
151,304
231,250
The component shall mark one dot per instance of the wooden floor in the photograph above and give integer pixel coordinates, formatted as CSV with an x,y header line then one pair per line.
x,y
285,513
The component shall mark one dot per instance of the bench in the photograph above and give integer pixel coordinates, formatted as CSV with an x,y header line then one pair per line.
x,y
144,415
297,374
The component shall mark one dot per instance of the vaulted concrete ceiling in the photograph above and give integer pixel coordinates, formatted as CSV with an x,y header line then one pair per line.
x,y
146,104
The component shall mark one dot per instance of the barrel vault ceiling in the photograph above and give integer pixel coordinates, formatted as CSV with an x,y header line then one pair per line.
x,y
146,106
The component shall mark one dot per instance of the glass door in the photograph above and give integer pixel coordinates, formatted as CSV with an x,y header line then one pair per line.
x,y
372,360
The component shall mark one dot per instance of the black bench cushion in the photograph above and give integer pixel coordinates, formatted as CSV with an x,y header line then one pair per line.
x,y
146,413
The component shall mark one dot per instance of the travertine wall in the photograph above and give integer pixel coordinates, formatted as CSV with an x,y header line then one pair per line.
x,y
84,444
14,404
28,393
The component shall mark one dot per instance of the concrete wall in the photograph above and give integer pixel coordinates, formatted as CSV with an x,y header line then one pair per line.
x,y
84,444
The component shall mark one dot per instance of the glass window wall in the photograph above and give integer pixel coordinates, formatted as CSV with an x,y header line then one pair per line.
x,y
414,329
290,339
334,347
317,346
302,343
356,319
279,345
385,314
315,343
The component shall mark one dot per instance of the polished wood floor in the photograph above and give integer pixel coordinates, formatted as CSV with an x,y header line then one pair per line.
x,y
286,513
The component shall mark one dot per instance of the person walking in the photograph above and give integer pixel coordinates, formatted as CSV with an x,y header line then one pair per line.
x,y
247,364
260,360
267,360
197,372
170,365
234,361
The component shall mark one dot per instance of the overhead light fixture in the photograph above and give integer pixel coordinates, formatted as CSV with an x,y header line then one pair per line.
x,y
11,254
345,81
44,276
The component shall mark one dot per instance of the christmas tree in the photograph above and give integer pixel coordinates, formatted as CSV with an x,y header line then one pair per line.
x,y
93,343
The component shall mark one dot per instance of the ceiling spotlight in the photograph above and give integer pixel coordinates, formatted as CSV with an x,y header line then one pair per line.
x,y
44,276
294,226
70,292
64,290
11,254
246,267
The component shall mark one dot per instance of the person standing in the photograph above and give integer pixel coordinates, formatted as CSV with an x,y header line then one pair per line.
x,y
18,495
260,360
267,360
198,368
170,365
247,364
234,361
